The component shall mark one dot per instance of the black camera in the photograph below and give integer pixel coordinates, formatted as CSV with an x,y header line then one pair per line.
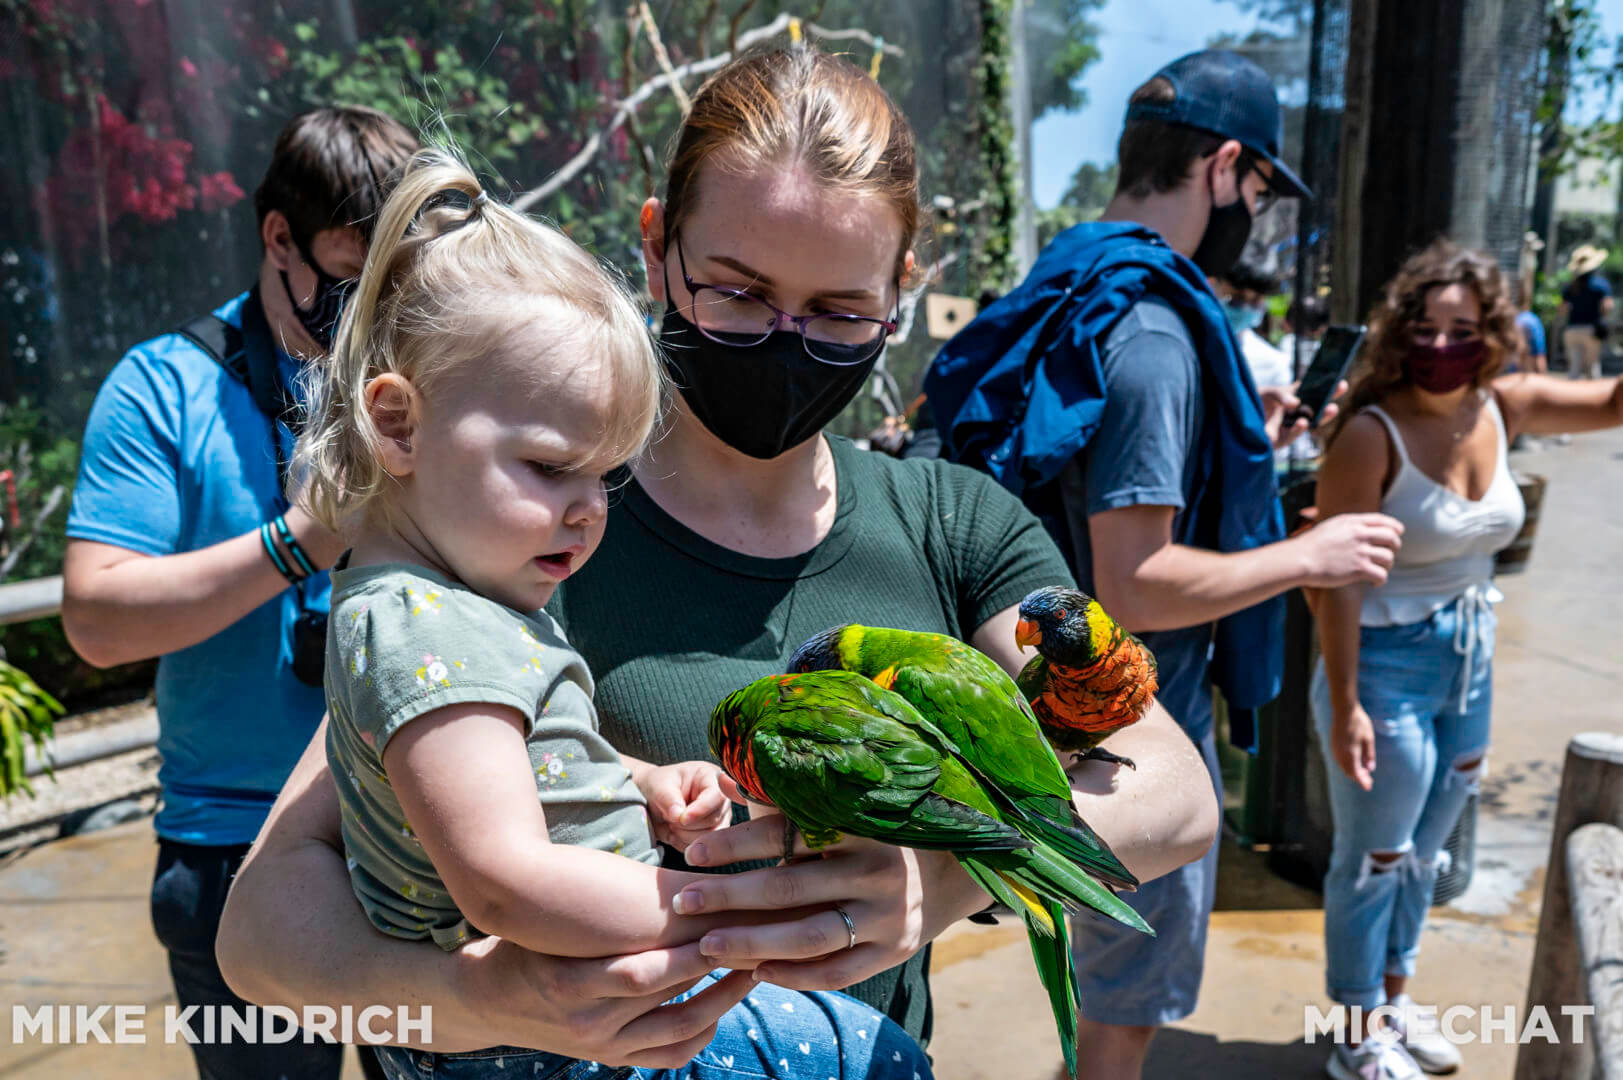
x,y
310,648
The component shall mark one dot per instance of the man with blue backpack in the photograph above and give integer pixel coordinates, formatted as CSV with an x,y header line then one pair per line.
x,y
1109,391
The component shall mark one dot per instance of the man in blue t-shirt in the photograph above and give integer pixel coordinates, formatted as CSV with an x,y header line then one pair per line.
x,y
1198,158
182,545
1587,304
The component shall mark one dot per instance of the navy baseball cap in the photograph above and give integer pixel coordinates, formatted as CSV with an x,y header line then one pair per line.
x,y
1224,93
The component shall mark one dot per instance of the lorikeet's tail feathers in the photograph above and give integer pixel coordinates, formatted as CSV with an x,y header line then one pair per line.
x,y
1050,875
1015,897
1052,952
1062,828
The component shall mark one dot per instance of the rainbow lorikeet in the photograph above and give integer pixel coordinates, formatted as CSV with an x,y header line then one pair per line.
x,y
1089,679
837,753
967,696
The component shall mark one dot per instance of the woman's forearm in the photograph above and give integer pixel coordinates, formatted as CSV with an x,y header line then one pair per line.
x,y
1159,816
1338,641
294,935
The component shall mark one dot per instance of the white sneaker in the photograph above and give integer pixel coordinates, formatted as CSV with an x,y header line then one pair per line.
x,y
1375,1059
1423,1039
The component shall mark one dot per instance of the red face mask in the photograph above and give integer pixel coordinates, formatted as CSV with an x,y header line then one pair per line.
x,y
1439,370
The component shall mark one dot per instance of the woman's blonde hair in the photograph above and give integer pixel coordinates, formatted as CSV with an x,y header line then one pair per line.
x,y
1380,369
449,273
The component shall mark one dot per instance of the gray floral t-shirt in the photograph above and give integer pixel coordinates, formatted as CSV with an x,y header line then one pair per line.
x,y
403,641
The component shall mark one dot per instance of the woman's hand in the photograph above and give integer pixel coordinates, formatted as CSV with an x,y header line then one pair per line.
x,y
687,800
1352,741
898,899
607,1010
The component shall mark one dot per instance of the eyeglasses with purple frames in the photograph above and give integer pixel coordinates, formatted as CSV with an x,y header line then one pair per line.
x,y
734,317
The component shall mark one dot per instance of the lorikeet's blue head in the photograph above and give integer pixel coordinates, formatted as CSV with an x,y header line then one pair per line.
x,y
1067,627
821,652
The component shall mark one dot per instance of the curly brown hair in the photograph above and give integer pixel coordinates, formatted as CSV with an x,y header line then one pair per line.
x,y
1391,325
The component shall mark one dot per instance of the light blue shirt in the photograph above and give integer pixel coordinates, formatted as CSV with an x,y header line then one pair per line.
x,y
178,457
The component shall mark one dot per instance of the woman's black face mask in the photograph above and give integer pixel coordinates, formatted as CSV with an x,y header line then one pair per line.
x,y
765,398
759,399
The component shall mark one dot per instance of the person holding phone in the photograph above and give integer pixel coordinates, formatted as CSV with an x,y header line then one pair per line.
x,y
1109,389
1403,692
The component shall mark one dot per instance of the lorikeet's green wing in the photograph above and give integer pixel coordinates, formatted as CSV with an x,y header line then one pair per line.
x,y
836,754
1007,750
974,702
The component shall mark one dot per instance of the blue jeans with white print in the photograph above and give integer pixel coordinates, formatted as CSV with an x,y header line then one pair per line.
x,y
1428,690
774,1034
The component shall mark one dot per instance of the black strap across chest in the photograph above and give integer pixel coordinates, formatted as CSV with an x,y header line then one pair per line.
x,y
249,355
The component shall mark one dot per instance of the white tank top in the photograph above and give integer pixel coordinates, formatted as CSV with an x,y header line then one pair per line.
x,y
1448,540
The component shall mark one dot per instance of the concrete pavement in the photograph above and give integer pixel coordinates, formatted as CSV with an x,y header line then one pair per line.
x,y
74,927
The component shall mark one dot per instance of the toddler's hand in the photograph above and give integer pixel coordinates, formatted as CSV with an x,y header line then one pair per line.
x,y
688,800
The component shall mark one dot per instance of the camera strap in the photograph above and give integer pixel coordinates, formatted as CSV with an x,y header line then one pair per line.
x,y
248,354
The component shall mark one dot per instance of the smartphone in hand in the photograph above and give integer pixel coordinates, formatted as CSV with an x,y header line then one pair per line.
x,y
1330,365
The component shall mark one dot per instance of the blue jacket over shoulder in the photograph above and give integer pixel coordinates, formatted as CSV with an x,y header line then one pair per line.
x,y
1020,391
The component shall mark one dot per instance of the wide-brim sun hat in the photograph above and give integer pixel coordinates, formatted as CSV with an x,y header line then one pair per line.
x,y
1586,258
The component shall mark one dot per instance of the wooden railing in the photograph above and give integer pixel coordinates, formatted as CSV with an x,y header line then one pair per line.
x,y
1578,958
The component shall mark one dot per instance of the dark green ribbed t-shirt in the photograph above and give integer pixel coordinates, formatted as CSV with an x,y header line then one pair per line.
x,y
670,623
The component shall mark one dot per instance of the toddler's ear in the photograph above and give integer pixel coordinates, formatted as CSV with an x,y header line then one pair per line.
x,y
393,407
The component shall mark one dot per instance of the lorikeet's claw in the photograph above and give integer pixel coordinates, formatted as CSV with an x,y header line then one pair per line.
x,y
1099,753
788,840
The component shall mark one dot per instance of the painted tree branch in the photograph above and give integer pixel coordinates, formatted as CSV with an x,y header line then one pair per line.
x,y
52,501
629,105
661,57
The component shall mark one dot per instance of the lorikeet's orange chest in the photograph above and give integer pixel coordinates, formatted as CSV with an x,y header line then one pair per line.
x,y
1111,692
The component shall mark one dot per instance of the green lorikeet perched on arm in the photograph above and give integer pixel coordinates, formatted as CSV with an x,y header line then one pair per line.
x,y
1089,679
836,753
964,694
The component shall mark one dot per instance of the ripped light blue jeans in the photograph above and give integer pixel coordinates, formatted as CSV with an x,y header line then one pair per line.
x,y
1428,690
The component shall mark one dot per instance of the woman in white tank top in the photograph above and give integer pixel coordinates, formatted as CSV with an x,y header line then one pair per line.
x,y
1405,682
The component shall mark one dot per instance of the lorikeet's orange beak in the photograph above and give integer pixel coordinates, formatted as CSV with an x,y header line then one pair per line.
x,y
1027,635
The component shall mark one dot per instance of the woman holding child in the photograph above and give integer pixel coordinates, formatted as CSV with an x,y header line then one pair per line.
x,y
779,254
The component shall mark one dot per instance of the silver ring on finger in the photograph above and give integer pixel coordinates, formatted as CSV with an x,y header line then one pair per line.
x,y
850,927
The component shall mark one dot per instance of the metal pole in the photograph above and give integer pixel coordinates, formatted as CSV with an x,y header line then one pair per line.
x,y
1025,221
1308,217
